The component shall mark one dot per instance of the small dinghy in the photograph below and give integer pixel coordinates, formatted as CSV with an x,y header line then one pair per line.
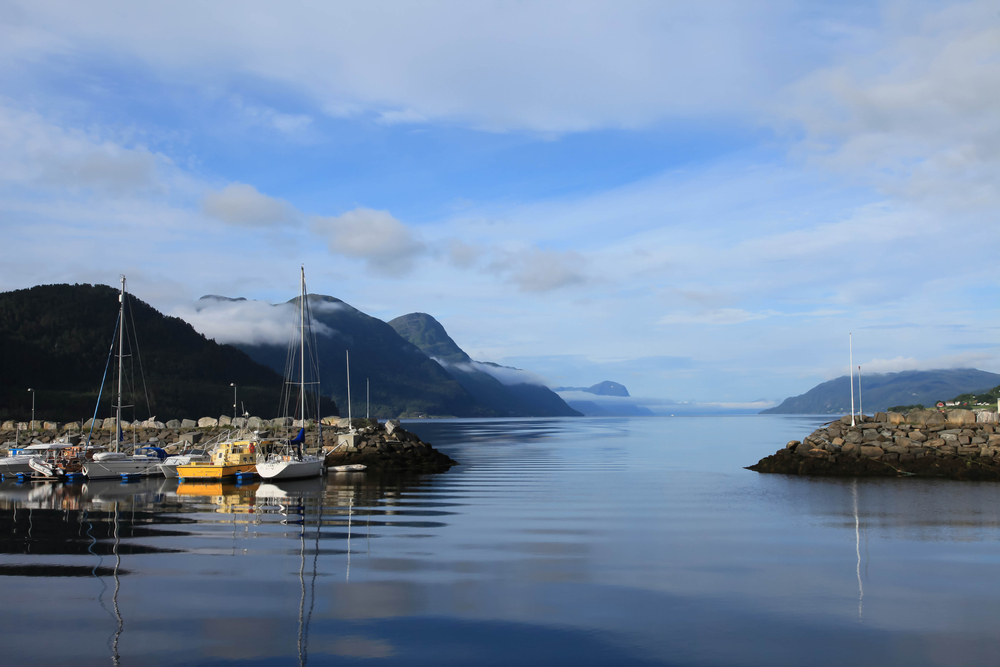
x,y
354,467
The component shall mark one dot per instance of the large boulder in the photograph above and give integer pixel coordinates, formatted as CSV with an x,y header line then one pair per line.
x,y
208,422
872,452
391,426
189,423
961,417
255,423
919,417
225,420
895,418
173,423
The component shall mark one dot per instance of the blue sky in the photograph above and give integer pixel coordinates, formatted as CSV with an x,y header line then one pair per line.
x,y
698,200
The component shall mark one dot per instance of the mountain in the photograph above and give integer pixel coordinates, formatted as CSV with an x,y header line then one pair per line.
x,y
403,381
609,405
880,391
606,388
515,399
56,338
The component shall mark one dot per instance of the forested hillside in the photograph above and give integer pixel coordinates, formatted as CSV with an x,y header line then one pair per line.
x,y
56,340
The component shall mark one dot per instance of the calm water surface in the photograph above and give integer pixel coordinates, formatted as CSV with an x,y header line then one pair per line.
x,y
556,541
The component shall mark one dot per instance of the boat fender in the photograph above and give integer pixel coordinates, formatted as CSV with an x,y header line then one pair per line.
x,y
252,448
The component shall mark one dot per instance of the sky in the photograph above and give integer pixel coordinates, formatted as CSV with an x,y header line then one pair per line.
x,y
698,200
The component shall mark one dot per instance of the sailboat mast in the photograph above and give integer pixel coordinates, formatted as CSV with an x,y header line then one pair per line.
x,y
121,358
302,346
348,388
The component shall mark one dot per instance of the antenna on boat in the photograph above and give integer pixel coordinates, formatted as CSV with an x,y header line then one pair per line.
x,y
850,343
368,398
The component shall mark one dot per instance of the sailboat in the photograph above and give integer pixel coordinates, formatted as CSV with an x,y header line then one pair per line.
x,y
146,457
286,459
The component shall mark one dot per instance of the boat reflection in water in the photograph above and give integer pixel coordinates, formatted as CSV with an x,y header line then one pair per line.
x,y
289,500
157,539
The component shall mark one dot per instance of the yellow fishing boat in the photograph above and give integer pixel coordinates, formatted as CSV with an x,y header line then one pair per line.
x,y
228,460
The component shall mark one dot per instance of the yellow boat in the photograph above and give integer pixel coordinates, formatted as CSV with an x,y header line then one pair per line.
x,y
228,459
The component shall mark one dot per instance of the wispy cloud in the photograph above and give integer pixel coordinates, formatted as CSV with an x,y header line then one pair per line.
x,y
241,204
387,245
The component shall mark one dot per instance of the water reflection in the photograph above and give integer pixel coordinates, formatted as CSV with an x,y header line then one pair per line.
x,y
857,546
552,542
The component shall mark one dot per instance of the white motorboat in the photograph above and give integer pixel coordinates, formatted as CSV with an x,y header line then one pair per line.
x,y
168,468
145,461
286,459
42,458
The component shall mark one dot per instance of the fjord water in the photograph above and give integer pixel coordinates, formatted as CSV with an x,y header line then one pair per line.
x,y
555,541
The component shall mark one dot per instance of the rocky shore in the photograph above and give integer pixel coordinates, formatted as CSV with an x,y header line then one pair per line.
x,y
379,446
958,444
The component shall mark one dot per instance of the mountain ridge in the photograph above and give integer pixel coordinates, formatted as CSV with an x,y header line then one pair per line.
x,y
521,399
879,391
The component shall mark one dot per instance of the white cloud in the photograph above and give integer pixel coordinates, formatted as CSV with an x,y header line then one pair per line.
x,y
464,255
506,374
241,204
387,245
40,154
917,117
719,316
558,66
290,124
536,270
249,322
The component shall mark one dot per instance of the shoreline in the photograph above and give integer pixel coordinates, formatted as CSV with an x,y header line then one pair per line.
x,y
955,445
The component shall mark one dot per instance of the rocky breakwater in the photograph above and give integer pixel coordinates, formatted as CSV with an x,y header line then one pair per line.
x,y
959,444
384,447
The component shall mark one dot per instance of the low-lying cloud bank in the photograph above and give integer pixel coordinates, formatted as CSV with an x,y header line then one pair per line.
x,y
666,407
505,374
243,322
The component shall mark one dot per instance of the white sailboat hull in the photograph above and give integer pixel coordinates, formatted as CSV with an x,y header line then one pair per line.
x,y
309,466
11,465
117,468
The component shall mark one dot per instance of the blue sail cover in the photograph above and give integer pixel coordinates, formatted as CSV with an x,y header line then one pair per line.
x,y
300,437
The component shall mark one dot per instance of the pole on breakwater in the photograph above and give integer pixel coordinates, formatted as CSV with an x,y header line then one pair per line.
x,y
349,423
860,404
850,368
